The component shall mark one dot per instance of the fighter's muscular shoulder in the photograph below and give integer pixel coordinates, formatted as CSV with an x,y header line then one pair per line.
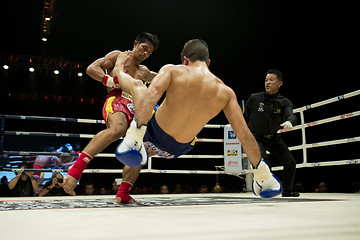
x,y
168,68
165,75
223,93
175,72
226,89
173,68
110,58
107,62
230,98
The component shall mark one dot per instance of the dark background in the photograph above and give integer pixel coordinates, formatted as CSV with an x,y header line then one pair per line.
x,y
313,43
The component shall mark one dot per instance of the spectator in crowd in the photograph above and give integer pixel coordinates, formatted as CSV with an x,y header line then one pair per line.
x,y
24,184
89,189
178,189
322,188
4,189
203,189
103,190
54,187
189,188
143,190
164,189
299,187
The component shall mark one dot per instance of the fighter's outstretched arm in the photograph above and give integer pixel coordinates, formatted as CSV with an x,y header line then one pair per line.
x,y
265,183
236,119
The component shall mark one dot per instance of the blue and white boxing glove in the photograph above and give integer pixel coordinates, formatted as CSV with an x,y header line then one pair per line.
x,y
69,147
131,151
265,184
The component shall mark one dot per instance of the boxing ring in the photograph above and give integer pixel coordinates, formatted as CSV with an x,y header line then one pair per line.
x,y
304,146
178,216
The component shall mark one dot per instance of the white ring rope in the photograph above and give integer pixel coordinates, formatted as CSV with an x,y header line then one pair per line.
x,y
120,171
55,119
331,100
326,143
322,164
302,126
78,120
322,121
80,135
48,134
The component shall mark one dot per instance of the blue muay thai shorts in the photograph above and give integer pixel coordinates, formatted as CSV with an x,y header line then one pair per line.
x,y
162,144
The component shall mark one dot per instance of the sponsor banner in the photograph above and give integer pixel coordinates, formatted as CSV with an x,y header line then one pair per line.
x,y
232,152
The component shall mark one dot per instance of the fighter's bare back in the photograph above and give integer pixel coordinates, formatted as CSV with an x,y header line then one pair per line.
x,y
194,96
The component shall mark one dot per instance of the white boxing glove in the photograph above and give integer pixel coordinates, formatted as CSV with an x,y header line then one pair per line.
x,y
287,126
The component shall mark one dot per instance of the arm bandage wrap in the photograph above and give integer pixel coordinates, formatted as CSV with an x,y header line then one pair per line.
x,y
112,82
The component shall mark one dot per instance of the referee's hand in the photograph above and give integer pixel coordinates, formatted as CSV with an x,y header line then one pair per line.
x,y
287,126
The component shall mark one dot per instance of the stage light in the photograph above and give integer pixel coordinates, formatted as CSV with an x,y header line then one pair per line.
x,y
31,69
44,39
47,19
80,74
6,67
56,71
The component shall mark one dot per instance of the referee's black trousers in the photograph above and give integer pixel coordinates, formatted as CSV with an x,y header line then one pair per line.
x,y
279,155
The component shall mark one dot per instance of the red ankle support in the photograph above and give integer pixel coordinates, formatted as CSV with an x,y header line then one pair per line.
x,y
77,169
124,192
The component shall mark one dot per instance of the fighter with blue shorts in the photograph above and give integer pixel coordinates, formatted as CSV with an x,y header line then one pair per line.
x,y
162,144
194,96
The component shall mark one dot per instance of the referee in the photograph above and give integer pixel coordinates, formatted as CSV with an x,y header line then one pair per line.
x,y
265,113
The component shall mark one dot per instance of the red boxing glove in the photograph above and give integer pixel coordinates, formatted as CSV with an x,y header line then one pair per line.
x,y
112,82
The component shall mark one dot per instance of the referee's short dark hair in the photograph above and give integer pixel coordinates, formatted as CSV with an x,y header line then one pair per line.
x,y
279,74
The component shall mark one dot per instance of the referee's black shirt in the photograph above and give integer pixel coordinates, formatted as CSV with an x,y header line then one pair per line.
x,y
264,113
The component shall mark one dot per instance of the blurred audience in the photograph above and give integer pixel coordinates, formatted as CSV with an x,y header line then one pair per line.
x,y
52,161
299,187
89,189
178,189
24,184
54,187
103,190
203,189
322,188
164,189
4,188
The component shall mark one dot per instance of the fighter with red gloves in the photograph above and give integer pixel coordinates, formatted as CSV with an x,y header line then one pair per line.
x,y
118,110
